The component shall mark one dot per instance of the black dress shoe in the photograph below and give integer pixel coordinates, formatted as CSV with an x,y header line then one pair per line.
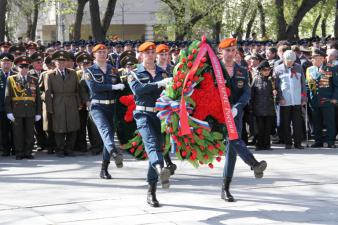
x,y
19,157
317,145
29,157
331,146
288,146
299,147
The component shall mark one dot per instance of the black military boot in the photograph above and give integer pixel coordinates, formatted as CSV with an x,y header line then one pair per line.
x,y
164,175
258,168
151,196
225,193
118,158
104,174
170,165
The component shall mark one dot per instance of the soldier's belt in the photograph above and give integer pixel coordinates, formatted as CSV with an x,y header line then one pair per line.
x,y
106,102
145,108
23,99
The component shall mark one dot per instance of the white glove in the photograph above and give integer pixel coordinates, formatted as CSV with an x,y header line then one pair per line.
x,y
37,118
234,112
164,82
118,86
10,116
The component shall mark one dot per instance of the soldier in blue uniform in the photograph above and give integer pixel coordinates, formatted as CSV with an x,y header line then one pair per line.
x,y
6,134
104,87
240,96
323,94
147,85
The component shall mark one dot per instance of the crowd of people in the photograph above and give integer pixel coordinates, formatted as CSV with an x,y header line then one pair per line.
x,y
54,97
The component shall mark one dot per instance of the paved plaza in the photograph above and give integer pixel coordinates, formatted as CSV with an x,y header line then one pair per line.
x,y
300,187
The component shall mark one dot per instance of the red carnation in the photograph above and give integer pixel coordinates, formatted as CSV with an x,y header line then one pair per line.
x,y
194,51
204,59
179,84
184,60
189,64
180,66
140,147
201,65
182,76
188,147
199,131
217,145
210,147
220,153
196,78
211,165
179,144
201,162
202,147
145,155
184,153
201,137
132,150
134,143
190,57
206,157
218,159
178,72
228,91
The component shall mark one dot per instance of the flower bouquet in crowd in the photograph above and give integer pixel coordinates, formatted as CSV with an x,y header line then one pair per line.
x,y
194,116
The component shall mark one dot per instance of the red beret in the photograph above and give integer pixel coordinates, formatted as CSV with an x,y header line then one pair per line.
x,y
162,48
228,42
99,47
146,46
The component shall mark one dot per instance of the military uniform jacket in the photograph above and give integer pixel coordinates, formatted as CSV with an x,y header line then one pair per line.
x,y
322,85
239,86
83,88
100,83
62,100
144,86
22,98
3,80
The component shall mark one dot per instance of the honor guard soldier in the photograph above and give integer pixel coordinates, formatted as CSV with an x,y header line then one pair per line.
x,y
37,69
162,60
63,103
104,87
147,86
23,107
322,83
6,132
84,61
240,96
125,130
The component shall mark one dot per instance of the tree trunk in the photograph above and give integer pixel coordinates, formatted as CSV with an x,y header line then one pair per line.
x,y
239,29
323,26
336,21
315,26
217,31
35,20
249,25
108,15
305,7
97,31
78,19
262,18
29,25
281,23
3,9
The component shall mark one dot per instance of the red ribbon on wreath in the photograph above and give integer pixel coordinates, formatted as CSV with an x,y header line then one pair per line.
x,y
229,120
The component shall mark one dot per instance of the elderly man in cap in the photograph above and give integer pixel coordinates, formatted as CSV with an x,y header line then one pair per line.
x,y
290,85
63,102
240,96
37,69
23,107
6,134
147,85
322,81
104,87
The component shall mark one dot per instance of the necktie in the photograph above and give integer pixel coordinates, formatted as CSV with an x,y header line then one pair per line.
x,y
63,75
